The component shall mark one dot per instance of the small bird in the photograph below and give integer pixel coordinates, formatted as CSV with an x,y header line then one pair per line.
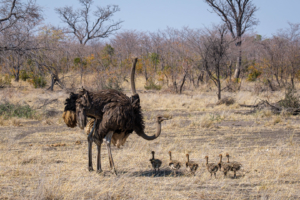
x,y
211,167
156,163
174,164
190,165
224,167
235,166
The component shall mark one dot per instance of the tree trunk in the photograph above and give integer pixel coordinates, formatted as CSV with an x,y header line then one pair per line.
x,y
200,78
292,81
219,89
239,59
146,74
183,81
17,75
175,86
55,80
270,85
167,79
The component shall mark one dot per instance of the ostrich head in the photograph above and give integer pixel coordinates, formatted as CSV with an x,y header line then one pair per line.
x,y
69,114
160,118
82,103
206,158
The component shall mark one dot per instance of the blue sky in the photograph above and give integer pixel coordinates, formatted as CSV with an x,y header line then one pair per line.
x,y
152,15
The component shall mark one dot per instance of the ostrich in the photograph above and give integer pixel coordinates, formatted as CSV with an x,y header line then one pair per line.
x,y
190,165
116,117
174,164
235,166
156,163
212,168
225,167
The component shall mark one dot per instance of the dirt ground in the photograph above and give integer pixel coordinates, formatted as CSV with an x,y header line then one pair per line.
x,y
44,159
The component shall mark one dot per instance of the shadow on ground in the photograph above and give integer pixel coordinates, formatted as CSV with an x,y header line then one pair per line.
x,y
147,173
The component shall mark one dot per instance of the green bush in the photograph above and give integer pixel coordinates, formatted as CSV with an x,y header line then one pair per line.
x,y
38,82
8,110
24,76
151,85
254,74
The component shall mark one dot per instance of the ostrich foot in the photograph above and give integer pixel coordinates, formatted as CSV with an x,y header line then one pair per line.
x,y
114,172
91,169
99,171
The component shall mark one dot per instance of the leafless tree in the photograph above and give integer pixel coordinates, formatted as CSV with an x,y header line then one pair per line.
x,y
21,40
212,45
79,24
238,15
292,37
13,12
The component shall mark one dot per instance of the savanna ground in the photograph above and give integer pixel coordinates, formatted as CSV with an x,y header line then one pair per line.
x,y
42,158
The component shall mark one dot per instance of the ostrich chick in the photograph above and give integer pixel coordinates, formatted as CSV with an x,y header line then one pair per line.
x,y
212,168
174,164
224,167
235,166
156,163
190,165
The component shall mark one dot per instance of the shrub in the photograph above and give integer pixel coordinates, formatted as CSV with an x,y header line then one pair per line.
x,y
6,81
291,100
151,85
113,83
254,74
24,76
8,110
38,81
227,101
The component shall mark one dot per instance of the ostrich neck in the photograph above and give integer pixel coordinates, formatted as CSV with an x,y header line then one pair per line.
x,y
206,161
153,156
143,135
220,159
188,158
228,159
170,156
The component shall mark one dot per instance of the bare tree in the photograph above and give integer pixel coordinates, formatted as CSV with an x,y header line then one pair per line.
x,y
21,41
238,15
14,12
79,24
212,45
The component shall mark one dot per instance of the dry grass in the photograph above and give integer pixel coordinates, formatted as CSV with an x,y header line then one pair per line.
x,y
44,159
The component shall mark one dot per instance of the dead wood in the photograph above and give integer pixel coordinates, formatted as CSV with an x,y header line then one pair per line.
x,y
274,107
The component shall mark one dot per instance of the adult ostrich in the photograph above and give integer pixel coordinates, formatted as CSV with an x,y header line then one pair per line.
x,y
116,117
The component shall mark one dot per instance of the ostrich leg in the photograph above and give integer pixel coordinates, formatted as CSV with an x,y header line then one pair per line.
x,y
90,143
99,170
108,141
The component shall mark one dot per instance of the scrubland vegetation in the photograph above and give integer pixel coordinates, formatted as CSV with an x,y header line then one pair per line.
x,y
200,79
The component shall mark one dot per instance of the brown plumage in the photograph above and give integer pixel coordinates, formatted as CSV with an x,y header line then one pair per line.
x,y
190,165
89,126
174,164
156,163
70,118
235,166
116,117
117,139
224,167
212,168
